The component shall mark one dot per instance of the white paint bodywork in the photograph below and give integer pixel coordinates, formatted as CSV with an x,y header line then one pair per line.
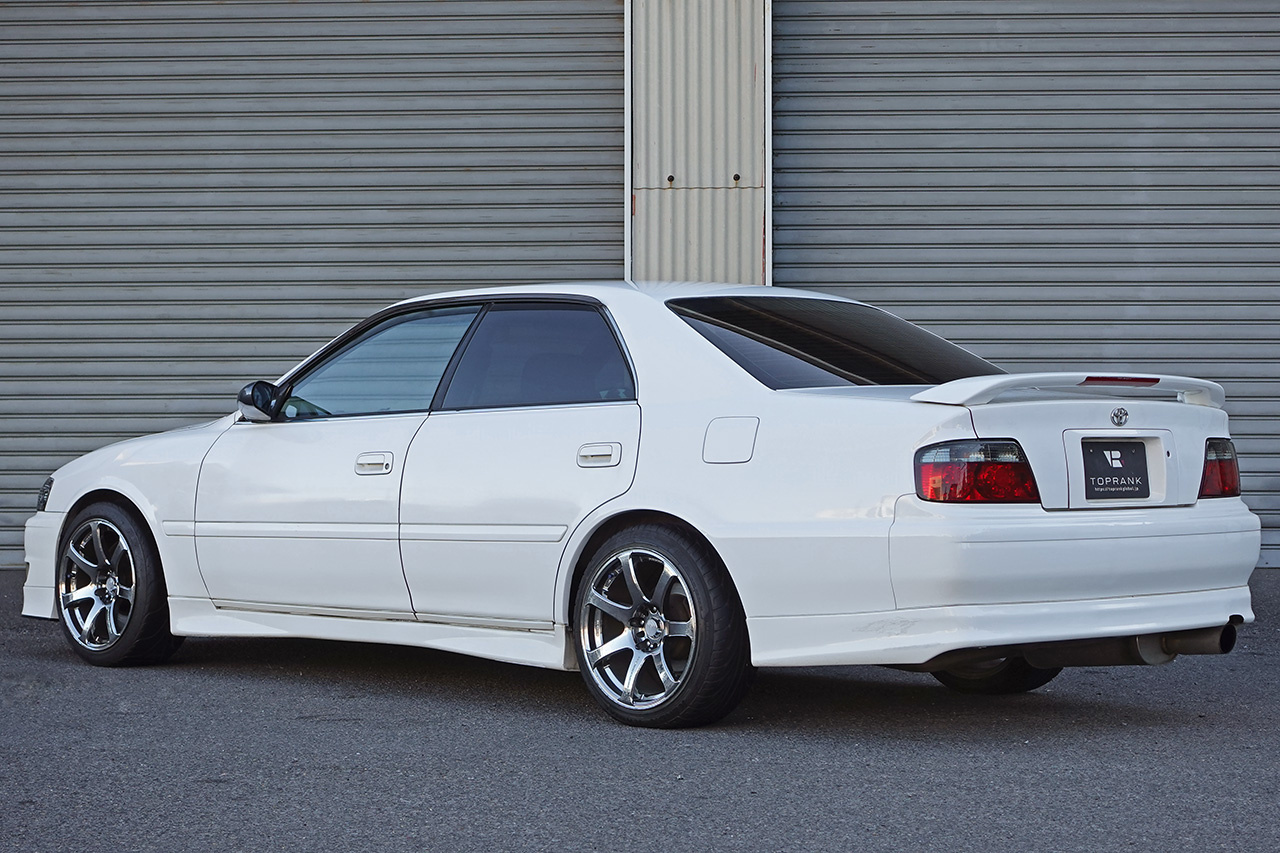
x,y
285,517
470,541
490,498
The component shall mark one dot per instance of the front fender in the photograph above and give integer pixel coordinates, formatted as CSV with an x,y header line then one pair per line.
x,y
157,476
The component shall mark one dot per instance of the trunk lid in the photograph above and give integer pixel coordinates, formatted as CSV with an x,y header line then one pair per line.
x,y
1094,444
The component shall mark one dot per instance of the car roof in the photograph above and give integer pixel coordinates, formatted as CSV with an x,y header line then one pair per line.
x,y
603,290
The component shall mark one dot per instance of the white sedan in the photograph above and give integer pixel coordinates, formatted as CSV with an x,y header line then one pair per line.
x,y
664,486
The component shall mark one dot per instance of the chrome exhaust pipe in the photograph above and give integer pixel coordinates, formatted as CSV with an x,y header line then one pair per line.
x,y
1201,641
1144,650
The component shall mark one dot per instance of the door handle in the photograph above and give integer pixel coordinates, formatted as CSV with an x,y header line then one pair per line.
x,y
605,455
368,464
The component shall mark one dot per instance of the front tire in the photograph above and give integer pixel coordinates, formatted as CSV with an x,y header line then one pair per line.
x,y
111,595
660,635
997,677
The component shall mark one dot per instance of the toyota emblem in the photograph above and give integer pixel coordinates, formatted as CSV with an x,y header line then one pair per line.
x,y
1120,417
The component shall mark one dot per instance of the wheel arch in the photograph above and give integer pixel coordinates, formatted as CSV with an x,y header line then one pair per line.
x,y
610,525
127,505
145,636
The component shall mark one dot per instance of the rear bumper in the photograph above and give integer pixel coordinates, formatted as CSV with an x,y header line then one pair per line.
x,y
977,576
914,636
944,555
41,543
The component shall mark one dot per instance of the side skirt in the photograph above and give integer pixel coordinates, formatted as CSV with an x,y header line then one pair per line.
x,y
545,646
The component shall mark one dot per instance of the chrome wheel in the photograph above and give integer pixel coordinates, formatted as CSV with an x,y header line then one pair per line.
x,y
637,628
97,583
659,633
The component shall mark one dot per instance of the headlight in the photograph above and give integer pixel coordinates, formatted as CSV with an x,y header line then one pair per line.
x,y
42,500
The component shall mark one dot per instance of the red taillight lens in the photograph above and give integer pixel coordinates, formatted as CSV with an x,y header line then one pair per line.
x,y
1221,477
986,471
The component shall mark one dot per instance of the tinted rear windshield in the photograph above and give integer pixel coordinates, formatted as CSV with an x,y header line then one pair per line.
x,y
794,342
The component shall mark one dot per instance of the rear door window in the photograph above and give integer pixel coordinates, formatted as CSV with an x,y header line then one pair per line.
x,y
540,354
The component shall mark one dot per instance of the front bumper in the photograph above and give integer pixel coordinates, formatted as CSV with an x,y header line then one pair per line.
x,y
41,543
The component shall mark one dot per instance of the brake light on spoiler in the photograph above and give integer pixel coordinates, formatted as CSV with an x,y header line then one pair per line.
x,y
975,471
1124,381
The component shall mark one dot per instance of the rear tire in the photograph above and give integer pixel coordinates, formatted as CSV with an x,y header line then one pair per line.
x,y
111,595
997,677
660,635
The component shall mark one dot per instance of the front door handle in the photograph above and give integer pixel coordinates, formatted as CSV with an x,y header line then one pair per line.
x,y
605,455
368,464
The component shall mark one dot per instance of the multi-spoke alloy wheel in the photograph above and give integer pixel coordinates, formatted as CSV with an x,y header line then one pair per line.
x,y
98,584
660,635
639,631
111,592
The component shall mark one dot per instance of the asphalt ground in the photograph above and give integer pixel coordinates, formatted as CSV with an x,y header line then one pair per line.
x,y
255,745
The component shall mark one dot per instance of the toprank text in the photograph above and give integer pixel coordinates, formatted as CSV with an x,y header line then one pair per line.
x,y
1113,483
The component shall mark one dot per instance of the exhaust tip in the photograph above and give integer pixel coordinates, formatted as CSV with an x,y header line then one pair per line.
x,y
1202,641
1228,640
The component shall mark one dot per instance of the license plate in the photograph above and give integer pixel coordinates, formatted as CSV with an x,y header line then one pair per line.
x,y
1115,470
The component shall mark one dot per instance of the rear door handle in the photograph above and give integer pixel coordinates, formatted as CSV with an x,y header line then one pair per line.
x,y
369,464
605,455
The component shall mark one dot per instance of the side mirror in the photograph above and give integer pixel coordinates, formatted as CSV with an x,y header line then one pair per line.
x,y
257,401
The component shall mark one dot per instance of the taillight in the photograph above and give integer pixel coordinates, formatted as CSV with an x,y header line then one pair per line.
x,y
1221,478
989,471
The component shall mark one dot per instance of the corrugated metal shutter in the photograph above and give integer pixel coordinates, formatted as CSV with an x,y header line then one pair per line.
x,y
1053,184
196,194
698,140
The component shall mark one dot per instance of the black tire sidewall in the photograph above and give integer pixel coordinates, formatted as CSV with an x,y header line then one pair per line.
x,y
721,627
149,603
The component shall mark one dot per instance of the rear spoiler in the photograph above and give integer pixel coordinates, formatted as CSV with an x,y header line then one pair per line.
x,y
976,390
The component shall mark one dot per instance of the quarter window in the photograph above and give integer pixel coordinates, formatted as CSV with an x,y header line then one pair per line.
x,y
540,354
394,367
